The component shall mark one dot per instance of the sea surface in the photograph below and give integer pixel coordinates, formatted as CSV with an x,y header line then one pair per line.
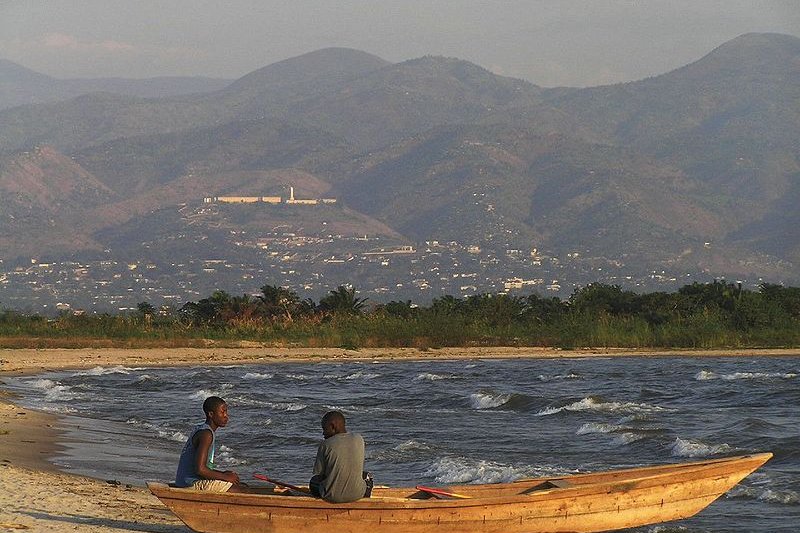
x,y
445,422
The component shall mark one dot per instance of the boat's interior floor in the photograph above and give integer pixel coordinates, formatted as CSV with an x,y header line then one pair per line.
x,y
388,493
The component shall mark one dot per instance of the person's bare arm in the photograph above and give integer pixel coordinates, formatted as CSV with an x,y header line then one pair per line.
x,y
203,440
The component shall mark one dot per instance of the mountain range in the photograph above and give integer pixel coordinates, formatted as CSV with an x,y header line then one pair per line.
x,y
21,86
696,170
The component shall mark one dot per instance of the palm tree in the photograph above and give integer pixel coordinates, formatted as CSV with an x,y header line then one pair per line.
x,y
279,301
207,311
240,309
342,300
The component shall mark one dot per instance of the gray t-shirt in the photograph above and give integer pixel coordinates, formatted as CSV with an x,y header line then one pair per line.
x,y
340,462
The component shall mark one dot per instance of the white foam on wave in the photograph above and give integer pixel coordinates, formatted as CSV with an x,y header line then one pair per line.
x,y
54,391
104,371
224,457
202,394
246,400
784,497
412,446
360,375
285,406
623,435
164,433
58,409
430,376
410,449
636,417
628,437
706,375
592,404
463,470
176,436
559,377
695,448
258,375
296,377
483,400
596,427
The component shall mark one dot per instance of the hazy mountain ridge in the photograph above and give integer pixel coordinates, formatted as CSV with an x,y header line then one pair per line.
x,y
22,86
698,167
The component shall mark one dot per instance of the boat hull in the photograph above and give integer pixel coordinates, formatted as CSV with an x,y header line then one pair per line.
x,y
605,501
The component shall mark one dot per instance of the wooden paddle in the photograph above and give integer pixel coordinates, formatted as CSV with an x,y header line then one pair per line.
x,y
438,493
289,486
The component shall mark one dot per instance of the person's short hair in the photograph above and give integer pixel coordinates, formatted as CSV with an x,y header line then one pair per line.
x,y
212,403
333,416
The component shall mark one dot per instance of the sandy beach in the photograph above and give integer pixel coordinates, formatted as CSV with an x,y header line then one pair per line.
x,y
34,496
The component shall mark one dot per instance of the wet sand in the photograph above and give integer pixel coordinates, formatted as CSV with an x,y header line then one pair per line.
x,y
34,496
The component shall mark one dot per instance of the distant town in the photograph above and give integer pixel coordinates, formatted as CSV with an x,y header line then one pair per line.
x,y
311,265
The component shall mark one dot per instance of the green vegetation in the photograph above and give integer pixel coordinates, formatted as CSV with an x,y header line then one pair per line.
x,y
713,315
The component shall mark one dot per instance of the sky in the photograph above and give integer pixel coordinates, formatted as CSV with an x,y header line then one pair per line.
x,y
547,42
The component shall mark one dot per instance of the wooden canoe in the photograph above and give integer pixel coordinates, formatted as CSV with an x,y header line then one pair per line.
x,y
603,501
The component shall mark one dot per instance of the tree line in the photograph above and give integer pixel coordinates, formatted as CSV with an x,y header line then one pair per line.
x,y
719,314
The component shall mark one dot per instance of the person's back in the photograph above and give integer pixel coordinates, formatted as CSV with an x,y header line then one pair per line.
x,y
339,475
340,461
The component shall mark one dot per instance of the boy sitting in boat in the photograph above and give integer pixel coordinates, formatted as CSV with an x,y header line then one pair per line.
x,y
196,465
339,475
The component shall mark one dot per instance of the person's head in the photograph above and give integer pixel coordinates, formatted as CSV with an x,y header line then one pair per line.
x,y
216,411
333,423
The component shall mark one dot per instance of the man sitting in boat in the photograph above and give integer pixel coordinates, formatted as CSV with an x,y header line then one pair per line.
x,y
339,475
196,465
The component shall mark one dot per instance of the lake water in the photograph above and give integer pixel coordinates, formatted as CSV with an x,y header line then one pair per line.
x,y
443,422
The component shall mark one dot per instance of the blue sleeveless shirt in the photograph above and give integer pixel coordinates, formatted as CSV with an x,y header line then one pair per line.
x,y
186,474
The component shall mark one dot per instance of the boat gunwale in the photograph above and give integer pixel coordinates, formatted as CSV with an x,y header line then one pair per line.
x,y
378,503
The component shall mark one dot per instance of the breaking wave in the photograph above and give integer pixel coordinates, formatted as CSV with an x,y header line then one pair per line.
x,y
485,400
225,457
623,435
463,470
694,448
164,433
594,404
202,394
54,391
783,497
707,375
258,375
429,376
103,371
285,406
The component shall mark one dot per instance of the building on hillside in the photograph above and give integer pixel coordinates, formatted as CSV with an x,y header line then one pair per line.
x,y
238,199
273,200
293,200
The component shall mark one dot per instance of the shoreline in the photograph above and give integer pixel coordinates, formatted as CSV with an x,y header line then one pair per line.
x,y
42,498
22,361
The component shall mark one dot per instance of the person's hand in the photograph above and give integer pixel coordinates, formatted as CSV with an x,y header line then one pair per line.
x,y
232,477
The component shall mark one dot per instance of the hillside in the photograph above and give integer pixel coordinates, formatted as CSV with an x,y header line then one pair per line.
x,y
43,195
